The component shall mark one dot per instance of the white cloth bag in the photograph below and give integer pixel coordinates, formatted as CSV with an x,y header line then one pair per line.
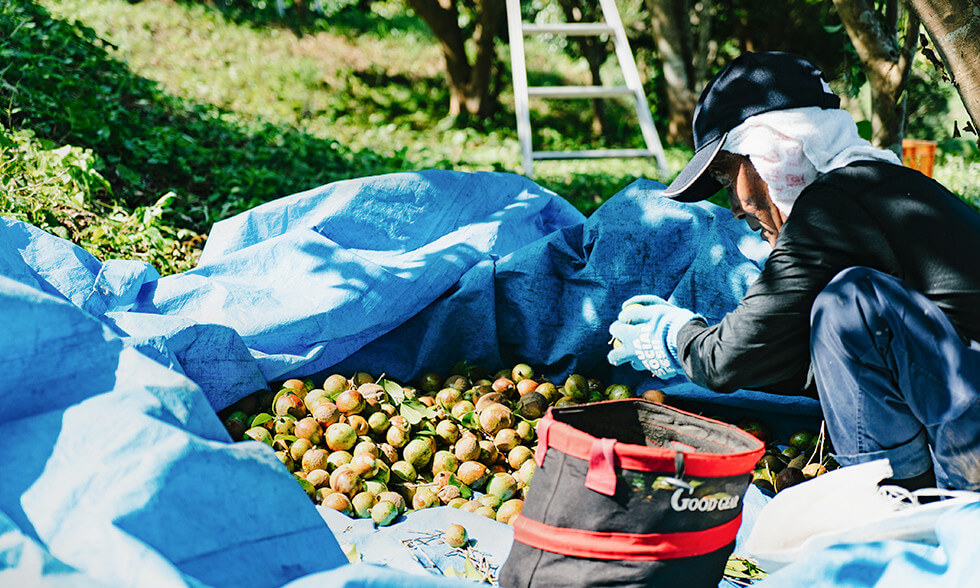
x,y
845,505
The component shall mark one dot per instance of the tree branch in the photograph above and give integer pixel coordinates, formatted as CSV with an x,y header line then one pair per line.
x,y
955,30
910,41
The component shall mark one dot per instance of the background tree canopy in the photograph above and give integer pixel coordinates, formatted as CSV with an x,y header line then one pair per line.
x,y
131,126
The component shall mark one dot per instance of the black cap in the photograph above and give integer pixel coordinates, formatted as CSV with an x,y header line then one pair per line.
x,y
751,84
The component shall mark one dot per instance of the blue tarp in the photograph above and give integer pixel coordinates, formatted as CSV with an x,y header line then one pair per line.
x,y
117,471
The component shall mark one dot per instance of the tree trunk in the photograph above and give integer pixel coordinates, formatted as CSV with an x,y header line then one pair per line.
x,y
684,61
954,26
595,52
469,84
886,63
599,123
483,99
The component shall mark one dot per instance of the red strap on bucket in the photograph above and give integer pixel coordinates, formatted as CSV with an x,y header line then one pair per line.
x,y
619,546
578,444
601,476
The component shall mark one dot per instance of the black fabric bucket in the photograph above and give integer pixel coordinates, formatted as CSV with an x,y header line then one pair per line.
x,y
631,493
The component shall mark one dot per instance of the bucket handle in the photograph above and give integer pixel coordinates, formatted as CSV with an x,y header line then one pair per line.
x,y
601,476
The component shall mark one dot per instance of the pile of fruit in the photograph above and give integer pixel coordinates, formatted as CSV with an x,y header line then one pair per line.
x,y
373,447
805,455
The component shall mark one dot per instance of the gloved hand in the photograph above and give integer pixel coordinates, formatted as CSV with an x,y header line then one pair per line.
x,y
647,330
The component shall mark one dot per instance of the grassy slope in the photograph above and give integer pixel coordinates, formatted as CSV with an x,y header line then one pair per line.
x,y
376,90
229,113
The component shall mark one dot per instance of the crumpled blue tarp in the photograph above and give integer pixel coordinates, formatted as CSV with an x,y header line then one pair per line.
x,y
116,469
403,272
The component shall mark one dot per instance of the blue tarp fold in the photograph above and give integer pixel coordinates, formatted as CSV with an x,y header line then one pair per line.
x,y
116,469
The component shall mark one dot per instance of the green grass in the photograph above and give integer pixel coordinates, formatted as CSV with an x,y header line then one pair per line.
x,y
377,91
188,114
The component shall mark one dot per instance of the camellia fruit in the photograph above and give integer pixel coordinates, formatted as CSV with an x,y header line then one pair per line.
x,y
448,493
455,535
316,459
362,503
260,434
496,417
447,432
364,465
430,382
338,501
518,455
350,402
308,428
340,436
295,384
395,499
472,473
337,459
290,404
504,386
318,478
383,513
378,422
299,448
359,424
618,392
418,452
461,408
502,485
373,394
467,449
345,480
335,384
576,387
424,498
444,461
326,413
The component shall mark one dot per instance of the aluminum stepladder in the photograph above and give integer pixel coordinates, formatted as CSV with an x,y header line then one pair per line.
x,y
613,26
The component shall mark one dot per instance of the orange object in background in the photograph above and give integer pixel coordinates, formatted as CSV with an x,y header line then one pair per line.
x,y
919,155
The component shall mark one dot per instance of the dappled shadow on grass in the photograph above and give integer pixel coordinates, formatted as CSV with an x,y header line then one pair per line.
x,y
60,81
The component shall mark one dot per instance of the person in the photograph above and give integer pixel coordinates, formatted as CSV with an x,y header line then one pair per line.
x,y
871,292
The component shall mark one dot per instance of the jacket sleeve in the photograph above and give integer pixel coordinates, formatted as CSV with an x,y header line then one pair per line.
x,y
764,344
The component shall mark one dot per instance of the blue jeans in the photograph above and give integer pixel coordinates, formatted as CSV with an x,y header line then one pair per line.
x,y
895,379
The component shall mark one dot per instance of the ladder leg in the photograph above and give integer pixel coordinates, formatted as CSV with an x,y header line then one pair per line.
x,y
632,77
519,72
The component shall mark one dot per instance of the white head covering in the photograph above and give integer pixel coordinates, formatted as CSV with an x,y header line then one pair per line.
x,y
792,148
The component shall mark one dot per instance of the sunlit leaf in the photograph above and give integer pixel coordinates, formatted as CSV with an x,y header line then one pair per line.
x,y
464,490
261,419
471,572
352,555
394,390
414,411
412,415
470,420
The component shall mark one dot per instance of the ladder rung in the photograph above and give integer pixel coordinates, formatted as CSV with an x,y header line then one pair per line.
x,y
592,154
578,91
568,28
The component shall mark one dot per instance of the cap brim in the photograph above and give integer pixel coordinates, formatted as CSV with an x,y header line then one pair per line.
x,y
694,183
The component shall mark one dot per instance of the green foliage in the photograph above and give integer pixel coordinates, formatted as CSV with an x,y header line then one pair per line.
x,y
150,122
60,190
928,98
958,168
61,81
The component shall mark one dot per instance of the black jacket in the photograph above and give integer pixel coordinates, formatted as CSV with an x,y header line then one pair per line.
x,y
878,215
